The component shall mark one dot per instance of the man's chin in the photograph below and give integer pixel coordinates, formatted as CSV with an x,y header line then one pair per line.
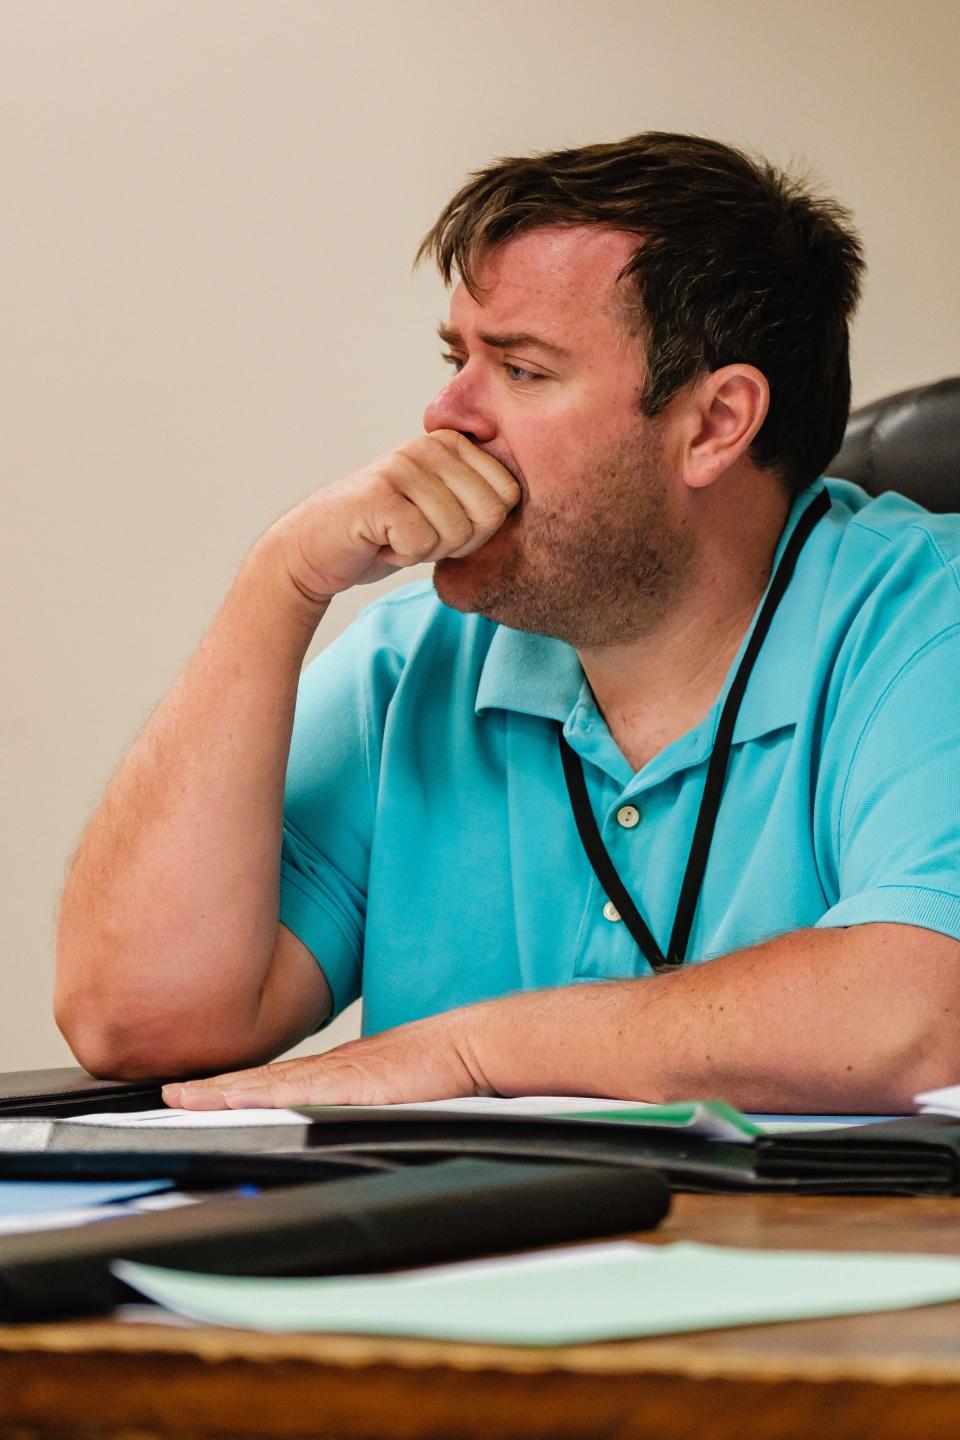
x,y
476,583
459,584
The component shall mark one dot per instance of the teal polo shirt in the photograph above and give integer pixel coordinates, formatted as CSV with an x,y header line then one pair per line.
x,y
430,855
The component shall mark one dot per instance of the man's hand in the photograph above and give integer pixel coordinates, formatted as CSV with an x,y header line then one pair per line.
x,y
425,1060
436,496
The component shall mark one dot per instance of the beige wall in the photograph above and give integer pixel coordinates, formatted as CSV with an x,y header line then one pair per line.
x,y
209,210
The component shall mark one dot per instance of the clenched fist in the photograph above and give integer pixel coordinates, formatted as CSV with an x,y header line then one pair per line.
x,y
438,495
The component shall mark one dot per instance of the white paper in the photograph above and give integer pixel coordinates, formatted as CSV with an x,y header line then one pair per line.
x,y
787,1124
516,1105
939,1102
189,1119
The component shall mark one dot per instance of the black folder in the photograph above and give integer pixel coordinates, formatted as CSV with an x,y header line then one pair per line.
x,y
416,1216
403,1137
913,1155
69,1090
916,1155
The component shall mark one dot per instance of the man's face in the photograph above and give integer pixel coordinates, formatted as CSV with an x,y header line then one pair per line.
x,y
597,546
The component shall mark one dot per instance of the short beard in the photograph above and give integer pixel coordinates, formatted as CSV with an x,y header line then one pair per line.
x,y
601,571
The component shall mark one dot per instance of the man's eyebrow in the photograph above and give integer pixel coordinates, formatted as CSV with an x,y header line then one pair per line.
x,y
513,340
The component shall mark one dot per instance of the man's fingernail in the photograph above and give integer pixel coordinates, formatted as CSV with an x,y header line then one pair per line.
x,y
202,1097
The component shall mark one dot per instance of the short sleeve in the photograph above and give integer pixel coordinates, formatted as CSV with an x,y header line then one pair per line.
x,y
329,801
896,816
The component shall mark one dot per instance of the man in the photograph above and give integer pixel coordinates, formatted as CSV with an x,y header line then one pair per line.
x,y
649,357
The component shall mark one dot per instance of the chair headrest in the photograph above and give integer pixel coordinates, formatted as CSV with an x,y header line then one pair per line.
x,y
908,442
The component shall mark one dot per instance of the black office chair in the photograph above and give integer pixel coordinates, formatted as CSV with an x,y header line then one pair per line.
x,y
908,442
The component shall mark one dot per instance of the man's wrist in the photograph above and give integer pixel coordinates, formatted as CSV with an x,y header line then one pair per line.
x,y
267,569
516,1044
545,1042
468,1031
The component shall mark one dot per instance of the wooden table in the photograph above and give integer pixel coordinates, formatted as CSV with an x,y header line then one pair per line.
x,y
859,1378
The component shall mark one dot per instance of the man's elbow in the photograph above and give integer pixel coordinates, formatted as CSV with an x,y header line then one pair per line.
x,y
95,1011
105,1044
137,1038
904,1035
929,1060
121,1039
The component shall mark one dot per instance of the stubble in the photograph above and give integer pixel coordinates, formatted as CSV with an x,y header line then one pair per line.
x,y
602,567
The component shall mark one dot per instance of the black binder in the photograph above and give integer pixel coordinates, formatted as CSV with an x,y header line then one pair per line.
x,y
69,1090
448,1211
914,1155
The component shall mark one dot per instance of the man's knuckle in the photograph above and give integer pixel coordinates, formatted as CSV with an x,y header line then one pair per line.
x,y
442,438
461,531
400,468
355,1083
415,542
420,450
396,508
492,515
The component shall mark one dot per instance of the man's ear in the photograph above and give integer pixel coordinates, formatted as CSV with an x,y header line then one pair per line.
x,y
723,412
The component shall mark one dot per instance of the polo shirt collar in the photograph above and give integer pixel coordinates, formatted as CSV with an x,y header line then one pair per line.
x,y
538,675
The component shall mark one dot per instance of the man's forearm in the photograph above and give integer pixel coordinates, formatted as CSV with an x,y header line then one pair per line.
x,y
169,916
855,1020
166,947
858,1019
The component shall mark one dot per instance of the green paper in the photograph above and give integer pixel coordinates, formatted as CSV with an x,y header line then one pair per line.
x,y
714,1118
560,1297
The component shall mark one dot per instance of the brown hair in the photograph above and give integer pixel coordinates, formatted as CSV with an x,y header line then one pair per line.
x,y
737,263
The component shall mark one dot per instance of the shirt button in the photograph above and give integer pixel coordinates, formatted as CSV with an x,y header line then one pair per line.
x,y
628,816
610,911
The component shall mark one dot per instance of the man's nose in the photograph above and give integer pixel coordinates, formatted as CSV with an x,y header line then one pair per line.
x,y
459,407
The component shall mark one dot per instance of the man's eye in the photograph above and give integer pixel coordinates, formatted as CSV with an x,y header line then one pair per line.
x,y
518,370
520,375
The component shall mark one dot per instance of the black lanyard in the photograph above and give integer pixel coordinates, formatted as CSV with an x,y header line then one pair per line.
x,y
603,866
